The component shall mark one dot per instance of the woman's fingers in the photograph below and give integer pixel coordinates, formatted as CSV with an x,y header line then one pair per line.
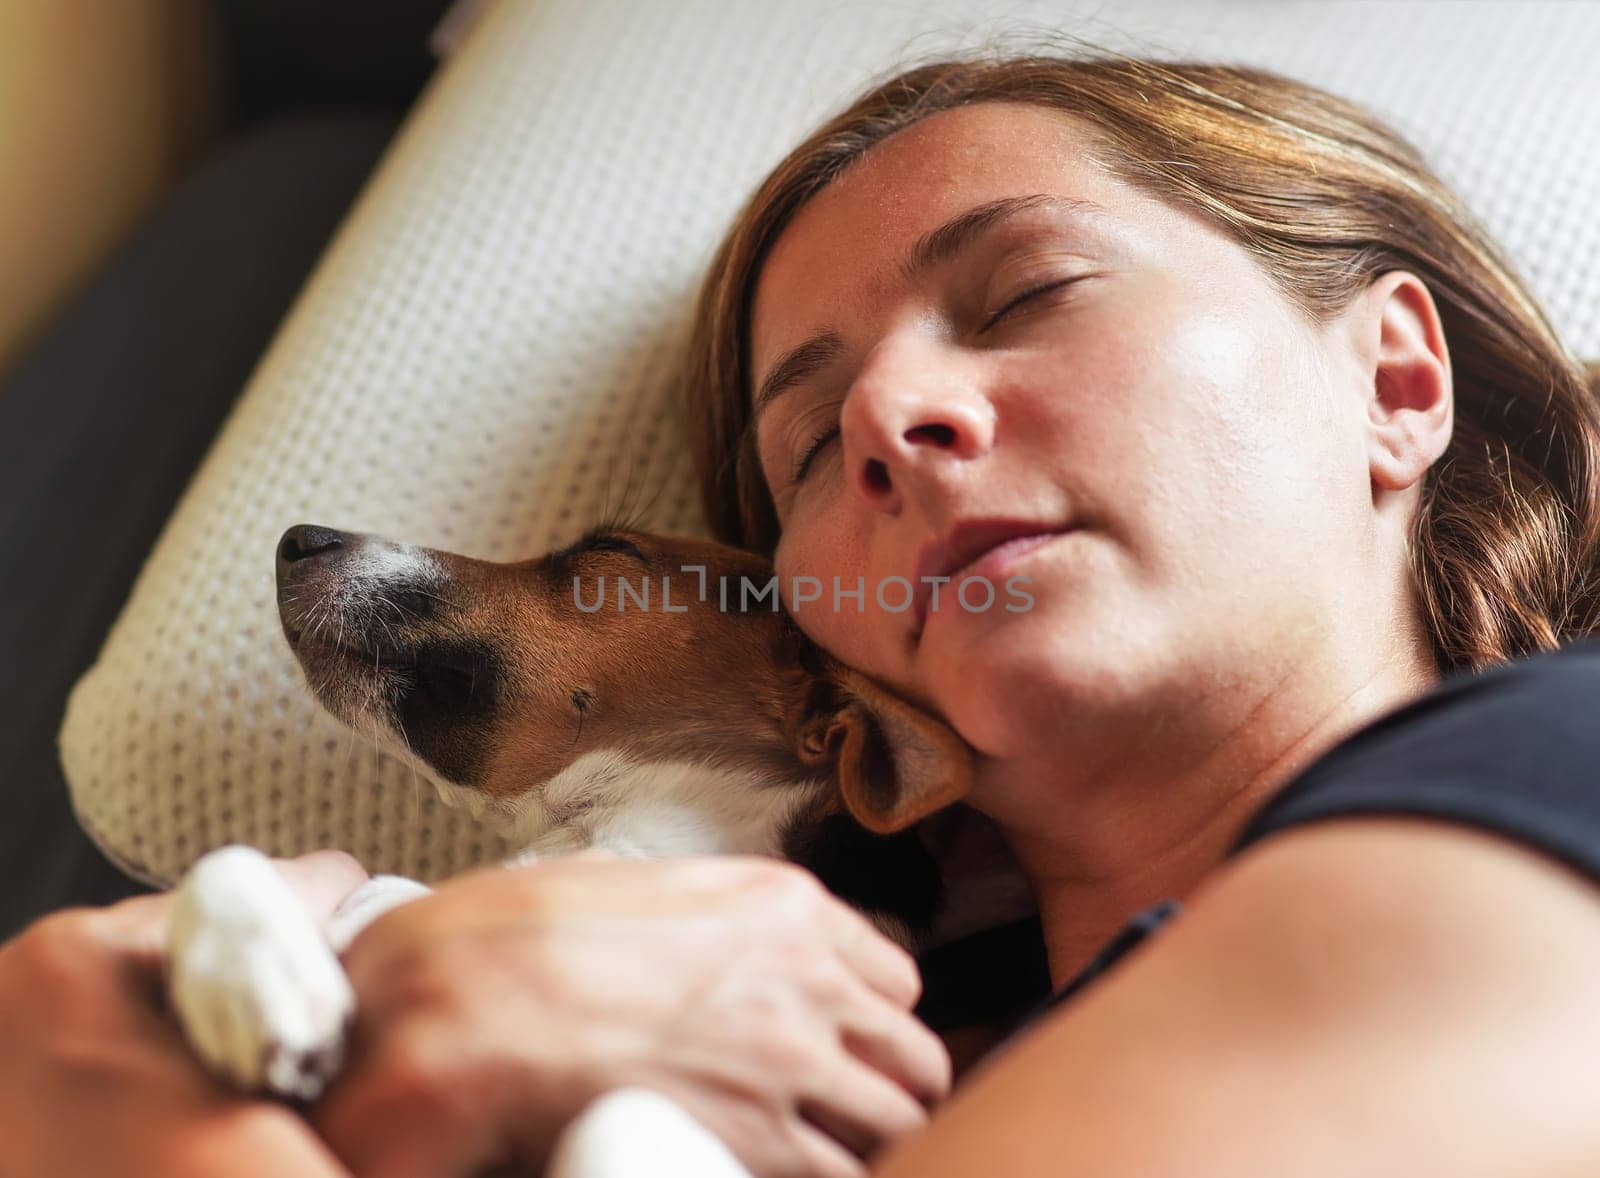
x,y
135,927
877,960
820,1156
322,879
861,1108
900,1047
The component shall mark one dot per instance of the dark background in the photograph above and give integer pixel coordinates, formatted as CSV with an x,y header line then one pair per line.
x,y
111,409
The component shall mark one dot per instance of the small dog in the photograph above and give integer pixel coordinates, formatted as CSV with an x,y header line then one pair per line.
x,y
633,692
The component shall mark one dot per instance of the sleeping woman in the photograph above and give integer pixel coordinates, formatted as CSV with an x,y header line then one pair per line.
x,y
1294,745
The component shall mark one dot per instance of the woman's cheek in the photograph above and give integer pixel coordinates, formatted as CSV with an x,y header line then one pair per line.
x,y
809,566
787,559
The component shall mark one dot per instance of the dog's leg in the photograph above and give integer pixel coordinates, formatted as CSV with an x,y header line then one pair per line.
x,y
259,992
368,902
637,1133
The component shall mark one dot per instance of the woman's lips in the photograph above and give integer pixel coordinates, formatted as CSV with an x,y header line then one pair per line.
x,y
991,565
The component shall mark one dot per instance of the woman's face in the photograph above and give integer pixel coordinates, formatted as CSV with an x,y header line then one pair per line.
x,y
1081,386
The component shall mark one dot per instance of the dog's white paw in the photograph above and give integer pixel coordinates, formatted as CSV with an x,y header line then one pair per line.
x,y
637,1133
260,995
368,902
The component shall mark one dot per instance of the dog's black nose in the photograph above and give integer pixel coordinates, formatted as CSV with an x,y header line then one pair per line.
x,y
305,542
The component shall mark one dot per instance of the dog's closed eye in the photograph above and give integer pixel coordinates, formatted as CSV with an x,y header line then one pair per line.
x,y
598,541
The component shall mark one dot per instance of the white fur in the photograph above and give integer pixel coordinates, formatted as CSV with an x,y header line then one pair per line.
x,y
607,799
637,1133
368,902
665,809
254,982
376,564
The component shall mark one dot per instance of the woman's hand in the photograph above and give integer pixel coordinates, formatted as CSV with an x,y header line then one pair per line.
x,y
492,1011
95,1077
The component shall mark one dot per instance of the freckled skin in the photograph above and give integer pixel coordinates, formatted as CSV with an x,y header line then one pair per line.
x,y
1209,442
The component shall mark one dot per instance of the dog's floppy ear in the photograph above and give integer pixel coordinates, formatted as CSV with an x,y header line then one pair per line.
x,y
894,763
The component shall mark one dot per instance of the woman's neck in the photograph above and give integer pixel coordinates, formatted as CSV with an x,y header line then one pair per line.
x,y
1116,841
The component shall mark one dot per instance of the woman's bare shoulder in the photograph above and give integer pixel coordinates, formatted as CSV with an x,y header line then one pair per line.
x,y
1362,995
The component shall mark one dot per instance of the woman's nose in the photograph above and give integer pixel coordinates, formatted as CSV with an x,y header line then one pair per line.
x,y
916,422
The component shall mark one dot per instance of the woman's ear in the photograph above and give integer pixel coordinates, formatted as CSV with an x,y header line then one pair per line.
x,y
1411,399
894,763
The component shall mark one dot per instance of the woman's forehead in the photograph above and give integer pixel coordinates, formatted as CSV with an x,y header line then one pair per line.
x,y
852,240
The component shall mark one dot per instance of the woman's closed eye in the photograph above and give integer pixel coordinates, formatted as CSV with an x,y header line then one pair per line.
x,y
826,436
812,450
1025,296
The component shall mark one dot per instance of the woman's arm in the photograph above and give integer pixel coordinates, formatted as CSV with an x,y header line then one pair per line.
x,y
95,1077
1360,996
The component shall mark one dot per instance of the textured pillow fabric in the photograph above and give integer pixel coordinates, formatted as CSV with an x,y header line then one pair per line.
x,y
479,361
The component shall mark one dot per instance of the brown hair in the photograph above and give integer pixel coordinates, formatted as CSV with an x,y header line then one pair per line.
x,y
1327,199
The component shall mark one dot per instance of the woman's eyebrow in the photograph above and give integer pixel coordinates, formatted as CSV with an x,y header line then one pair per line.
x,y
962,230
797,364
938,245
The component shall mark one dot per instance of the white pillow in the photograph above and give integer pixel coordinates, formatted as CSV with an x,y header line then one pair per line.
x,y
478,361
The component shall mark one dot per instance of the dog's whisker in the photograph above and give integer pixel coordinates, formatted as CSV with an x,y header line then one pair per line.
x,y
377,763
400,610
349,751
411,763
392,639
435,597
321,614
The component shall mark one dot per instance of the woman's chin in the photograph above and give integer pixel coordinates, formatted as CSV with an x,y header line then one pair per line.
x,y
991,677
981,668
1062,613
